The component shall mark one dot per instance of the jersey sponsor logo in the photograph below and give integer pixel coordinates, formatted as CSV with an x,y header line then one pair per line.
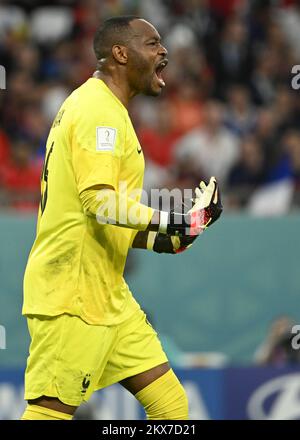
x,y
106,138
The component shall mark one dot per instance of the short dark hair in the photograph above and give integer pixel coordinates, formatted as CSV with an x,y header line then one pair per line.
x,y
115,30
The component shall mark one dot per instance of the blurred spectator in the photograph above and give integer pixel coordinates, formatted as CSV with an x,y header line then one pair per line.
x,y
49,24
247,174
200,18
186,107
291,143
27,60
52,100
240,116
263,80
153,11
226,8
273,199
20,179
277,348
35,125
232,57
209,150
159,137
12,18
285,110
267,133
289,19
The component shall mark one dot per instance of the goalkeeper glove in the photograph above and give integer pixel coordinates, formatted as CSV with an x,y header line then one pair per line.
x,y
168,244
206,210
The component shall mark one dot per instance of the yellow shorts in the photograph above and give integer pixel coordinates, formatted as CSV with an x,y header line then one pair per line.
x,y
70,359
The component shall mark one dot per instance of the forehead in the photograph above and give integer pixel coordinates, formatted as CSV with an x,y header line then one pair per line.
x,y
143,29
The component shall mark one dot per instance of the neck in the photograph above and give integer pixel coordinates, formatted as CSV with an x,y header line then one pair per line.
x,y
118,86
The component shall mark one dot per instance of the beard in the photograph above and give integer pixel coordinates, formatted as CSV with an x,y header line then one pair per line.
x,y
151,90
142,75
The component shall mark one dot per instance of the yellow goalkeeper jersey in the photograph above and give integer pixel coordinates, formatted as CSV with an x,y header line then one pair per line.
x,y
76,264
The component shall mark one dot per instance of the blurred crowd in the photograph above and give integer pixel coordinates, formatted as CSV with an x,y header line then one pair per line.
x,y
228,110
278,347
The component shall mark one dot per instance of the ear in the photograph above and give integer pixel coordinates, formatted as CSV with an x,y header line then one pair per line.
x,y
120,53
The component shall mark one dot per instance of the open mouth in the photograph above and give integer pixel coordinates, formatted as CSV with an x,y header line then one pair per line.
x,y
158,71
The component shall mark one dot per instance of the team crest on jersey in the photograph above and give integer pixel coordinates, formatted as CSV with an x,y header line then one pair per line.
x,y
106,138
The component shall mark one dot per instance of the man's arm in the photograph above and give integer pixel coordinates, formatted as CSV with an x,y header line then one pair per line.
x,y
140,240
111,207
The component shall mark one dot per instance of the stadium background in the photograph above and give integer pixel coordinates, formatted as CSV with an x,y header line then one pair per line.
x,y
224,310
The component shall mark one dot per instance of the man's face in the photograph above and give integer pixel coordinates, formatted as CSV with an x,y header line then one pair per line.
x,y
146,59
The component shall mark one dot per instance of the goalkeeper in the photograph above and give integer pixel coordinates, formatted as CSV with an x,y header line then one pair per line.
x,y
87,331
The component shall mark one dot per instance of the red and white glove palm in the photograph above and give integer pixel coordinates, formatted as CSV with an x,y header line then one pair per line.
x,y
207,206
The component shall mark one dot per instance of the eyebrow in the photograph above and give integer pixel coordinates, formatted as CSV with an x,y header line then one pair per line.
x,y
154,38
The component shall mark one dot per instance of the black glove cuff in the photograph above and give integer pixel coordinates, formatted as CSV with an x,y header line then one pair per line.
x,y
163,244
178,224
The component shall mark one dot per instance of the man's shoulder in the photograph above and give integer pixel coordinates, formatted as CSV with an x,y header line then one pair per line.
x,y
94,98
96,90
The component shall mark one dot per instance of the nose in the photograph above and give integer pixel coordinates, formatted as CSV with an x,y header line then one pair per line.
x,y
163,51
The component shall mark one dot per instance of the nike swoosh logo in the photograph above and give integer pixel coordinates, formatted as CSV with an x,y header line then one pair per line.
x,y
139,150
